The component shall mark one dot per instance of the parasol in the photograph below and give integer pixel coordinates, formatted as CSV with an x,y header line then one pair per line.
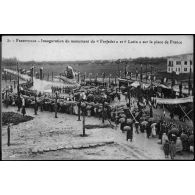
x,y
184,137
126,128
174,131
129,121
144,123
122,87
92,104
122,115
90,95
106,103
153,124
122,120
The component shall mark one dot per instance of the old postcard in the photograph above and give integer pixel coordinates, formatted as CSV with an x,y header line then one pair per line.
x,y
97,97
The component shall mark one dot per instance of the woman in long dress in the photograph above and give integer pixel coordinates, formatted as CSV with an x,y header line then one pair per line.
x,y
153,126
23,106
166,149
164,138
178,145
172,150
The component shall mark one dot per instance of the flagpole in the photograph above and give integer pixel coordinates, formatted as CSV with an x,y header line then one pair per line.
x,y
18,89
146,74
189,82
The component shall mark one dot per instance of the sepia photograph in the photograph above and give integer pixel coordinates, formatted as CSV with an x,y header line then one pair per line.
x,y
97,97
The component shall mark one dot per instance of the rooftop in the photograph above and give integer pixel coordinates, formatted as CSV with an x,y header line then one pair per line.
x,y
181,56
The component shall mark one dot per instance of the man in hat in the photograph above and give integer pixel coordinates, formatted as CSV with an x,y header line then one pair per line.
x,y
166,149
23,106
137,127
35,106
172,150
19,103
148,130
129,131
151,112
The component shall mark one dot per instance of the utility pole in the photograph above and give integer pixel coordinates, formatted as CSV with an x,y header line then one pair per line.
x,y
8,135
96,77
78,77
6,98
151,74
35,106
118,62
83,123
32,74
5,76
79,111
136,73
126,69
103,111
103,77
84,76
109,80
189,82
129,95
56,106
146,73
41,73
180,89
141,73
172,84
83,106
90,77
18,87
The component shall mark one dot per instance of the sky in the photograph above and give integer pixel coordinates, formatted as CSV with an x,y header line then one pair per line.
x,y
37,48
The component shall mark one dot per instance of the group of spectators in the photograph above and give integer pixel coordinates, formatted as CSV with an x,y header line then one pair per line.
x,y
173,138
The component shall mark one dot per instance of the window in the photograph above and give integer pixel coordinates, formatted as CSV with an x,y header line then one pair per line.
x,y
185,69
186,63
190,62
170,63
178,69
178,62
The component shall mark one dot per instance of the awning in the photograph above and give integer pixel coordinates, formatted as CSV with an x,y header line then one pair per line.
x,y
145,85
163,86
174,101
135,84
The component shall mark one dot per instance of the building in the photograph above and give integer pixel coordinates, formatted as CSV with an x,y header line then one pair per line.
x,y
180,63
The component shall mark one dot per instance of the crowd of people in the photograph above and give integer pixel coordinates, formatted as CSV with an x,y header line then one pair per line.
x,y
174,138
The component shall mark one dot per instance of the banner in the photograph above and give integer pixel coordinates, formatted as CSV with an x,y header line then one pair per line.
x,y
174,101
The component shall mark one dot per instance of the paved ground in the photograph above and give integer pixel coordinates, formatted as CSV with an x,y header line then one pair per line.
x,y
48,138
